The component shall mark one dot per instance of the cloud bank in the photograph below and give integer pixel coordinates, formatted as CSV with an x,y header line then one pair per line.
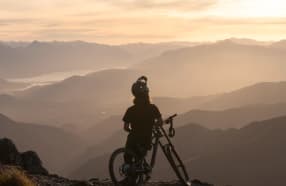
x,y
122,21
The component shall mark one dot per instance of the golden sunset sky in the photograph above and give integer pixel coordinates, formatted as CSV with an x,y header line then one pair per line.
x,y
125,21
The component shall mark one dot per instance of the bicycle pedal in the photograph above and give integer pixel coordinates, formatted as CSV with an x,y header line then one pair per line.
x,y
148,170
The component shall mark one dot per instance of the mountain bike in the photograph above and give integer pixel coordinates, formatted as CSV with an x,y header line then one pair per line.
x,y
138,172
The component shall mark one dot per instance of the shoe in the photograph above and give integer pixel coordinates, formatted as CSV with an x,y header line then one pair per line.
x,y
124,182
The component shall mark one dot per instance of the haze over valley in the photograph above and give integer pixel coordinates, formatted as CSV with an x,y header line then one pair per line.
x,y
69,70
223,91
208,76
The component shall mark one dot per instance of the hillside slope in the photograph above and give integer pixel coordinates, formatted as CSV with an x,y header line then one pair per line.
x,y
51,143
260,93
233,117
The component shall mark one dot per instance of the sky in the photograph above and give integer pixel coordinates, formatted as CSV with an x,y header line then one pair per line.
x,y
128,21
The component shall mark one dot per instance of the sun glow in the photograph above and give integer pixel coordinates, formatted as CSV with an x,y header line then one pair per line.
x,y
264,8
248,8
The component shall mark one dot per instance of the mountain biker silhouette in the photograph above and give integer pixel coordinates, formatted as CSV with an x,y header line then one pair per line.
x,y
139,120
128,166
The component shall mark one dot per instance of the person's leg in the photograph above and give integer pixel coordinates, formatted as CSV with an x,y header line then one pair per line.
x,y
130,147
141,151
128,159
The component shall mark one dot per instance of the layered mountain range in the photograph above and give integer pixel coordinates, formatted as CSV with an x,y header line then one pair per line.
x,y
230,96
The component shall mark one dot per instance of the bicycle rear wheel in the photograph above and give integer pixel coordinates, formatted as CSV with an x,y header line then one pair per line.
x,y
177,165
120,172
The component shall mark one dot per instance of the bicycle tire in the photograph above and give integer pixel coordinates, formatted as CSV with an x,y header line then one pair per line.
x,y
177,165
112,159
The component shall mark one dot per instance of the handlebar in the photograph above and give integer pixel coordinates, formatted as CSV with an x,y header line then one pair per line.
x,y
169,120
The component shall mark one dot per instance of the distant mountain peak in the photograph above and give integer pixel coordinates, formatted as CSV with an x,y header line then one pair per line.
x,y
280,44
272,123
244,41
263,86
5,119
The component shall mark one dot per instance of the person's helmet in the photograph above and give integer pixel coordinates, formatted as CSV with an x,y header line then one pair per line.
x,y
140,87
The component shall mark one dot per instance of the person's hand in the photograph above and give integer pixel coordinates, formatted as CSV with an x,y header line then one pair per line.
x,y
127,130
127,127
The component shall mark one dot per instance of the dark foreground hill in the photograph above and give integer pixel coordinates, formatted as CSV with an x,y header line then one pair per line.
x,y
54,145
25,169
251,156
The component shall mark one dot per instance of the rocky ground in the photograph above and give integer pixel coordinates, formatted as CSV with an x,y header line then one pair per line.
x,y
54,180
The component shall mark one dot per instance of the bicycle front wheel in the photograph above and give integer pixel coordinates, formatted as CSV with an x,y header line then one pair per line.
x,y
120,172
177,165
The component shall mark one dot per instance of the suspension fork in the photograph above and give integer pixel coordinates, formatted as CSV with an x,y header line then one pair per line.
x,y
163,147
166,137
168,145
160,132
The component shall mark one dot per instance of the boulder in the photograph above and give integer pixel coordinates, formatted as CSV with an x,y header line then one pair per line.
x,y
32,163
9,154
29,161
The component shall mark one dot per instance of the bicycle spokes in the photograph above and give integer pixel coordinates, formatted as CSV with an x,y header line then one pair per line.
x,y
133,172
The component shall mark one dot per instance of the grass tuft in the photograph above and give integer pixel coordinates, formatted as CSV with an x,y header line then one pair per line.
x,y
11,176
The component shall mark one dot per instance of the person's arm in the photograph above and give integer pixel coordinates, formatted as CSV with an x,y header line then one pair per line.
x,y
127,127
157,116
127,120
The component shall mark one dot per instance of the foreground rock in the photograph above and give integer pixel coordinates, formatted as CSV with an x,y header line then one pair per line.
x,y
29,161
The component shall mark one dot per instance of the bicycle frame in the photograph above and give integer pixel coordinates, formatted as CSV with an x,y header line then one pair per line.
x,y
168,149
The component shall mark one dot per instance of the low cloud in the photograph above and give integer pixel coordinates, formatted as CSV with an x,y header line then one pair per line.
x,y
185,5
242,21
17,21
146,28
